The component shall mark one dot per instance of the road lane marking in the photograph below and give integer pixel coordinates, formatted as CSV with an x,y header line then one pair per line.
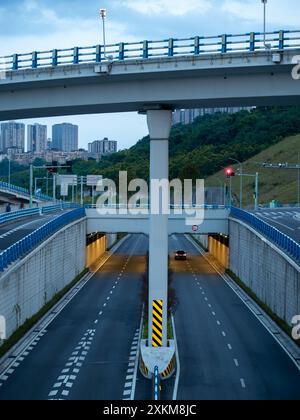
x,y
236,362
243,383
219,323
65,380
223,333
229,346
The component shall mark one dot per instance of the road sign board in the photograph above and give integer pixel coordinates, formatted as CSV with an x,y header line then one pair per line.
x,y
64,190
67,179
93,180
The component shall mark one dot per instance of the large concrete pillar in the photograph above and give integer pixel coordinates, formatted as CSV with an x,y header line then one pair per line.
x,y
159,124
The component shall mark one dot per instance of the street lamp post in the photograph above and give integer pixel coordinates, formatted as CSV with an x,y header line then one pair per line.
x,y
9,170
103,14
264,2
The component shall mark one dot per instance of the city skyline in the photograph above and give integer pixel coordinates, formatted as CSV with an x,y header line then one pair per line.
x,y
29,25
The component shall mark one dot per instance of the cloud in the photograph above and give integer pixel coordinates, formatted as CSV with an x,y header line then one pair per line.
x,y
169,7
285,14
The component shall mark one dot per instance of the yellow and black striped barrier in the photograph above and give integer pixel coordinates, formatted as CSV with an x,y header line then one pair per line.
x,y
143,369
170,369
157,323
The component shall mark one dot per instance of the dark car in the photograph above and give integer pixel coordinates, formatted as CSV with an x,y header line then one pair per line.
x,y
180,255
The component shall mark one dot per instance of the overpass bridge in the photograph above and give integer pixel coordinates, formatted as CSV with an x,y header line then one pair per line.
x,y
16,195
227,70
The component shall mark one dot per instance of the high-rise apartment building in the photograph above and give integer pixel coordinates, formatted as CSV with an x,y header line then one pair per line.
x,y
187,116
12,136
65,137
103,147
36,138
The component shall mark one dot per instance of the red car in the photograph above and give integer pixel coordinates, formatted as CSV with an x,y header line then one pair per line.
x,y
180,255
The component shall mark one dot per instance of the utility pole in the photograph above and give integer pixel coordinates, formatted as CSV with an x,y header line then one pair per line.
x,y
256,190
9,170
54,188
31,186
81,191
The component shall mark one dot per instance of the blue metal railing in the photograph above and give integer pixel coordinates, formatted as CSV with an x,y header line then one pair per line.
x,y
24,191
21,214
274,235
144,50
25,245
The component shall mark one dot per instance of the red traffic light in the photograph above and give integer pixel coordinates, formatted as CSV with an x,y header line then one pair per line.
x,y
230,172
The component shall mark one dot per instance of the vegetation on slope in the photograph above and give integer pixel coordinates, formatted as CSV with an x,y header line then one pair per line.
x,y
197,150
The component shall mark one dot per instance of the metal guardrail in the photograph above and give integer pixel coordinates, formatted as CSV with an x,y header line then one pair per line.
x,y
147,207
24,191
144,50
26,244
20,214
274,235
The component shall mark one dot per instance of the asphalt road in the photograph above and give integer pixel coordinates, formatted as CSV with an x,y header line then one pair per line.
x,y
287,220
88,351
84,353
12,232
225,353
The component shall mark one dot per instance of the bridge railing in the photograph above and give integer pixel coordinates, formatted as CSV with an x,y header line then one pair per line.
x,y
24,191
25,245
274,235
147,207
21,214
198,45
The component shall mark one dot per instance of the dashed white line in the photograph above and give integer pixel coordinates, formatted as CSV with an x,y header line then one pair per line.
x,y
236,362
243,383
229,346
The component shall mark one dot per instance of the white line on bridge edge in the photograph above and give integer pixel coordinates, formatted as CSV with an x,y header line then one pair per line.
x,y
175,391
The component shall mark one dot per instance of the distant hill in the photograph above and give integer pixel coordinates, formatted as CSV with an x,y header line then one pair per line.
x,y
274,184
200,149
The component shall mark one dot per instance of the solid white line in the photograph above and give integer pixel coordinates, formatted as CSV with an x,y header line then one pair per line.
x,y
175,391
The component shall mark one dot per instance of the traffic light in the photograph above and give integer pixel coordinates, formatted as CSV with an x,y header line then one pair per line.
x,y
229,173
52,167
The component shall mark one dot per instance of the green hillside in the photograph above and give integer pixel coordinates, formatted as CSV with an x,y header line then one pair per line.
x,y
274,184
197,150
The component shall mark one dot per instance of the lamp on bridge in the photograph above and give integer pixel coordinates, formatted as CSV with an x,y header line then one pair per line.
x,y
264,2
103,15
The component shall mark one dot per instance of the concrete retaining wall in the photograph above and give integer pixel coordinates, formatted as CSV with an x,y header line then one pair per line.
x,y
95,250
215,248
31,283
266,270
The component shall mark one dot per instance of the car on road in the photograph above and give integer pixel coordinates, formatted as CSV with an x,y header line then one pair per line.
x,y
180,255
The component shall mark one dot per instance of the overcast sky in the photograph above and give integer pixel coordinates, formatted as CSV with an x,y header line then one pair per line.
x,y
27,25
